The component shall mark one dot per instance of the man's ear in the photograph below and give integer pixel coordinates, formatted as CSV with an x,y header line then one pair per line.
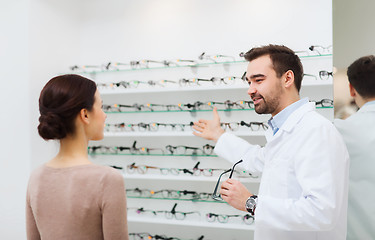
x,y
352,91
84,116
289,79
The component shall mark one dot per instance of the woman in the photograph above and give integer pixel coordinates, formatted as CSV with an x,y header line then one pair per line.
x,y
69,197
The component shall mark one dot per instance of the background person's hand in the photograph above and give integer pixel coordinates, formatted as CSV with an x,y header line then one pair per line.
x,y
209,129
235,194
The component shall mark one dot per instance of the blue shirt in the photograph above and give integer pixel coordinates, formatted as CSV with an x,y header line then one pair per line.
x,y
279,119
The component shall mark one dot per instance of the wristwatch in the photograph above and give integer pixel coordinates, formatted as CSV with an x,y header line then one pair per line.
x,y
251,204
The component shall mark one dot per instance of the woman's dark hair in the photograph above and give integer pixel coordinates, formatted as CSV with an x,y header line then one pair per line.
x,y
60,101
361,75
283,59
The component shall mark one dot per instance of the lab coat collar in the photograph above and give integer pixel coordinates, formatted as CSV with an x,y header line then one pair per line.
x,y
291,121
367,108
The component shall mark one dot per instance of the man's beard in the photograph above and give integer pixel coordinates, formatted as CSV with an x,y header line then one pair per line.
x,y
267,106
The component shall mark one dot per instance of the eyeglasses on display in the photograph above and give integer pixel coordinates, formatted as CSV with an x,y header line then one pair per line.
x,y
195,171
324,75
120,150
168,194
227,105
215,58
321,49
188,150
172,214
151,127
224,218
144,235
180,150
324,103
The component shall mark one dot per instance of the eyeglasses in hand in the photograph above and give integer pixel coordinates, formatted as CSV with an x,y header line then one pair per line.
x,y
216,194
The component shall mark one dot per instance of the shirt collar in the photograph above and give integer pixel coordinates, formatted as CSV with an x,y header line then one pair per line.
x,y
278,120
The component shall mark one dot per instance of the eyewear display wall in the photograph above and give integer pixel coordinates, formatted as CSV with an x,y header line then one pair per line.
x,y
148,160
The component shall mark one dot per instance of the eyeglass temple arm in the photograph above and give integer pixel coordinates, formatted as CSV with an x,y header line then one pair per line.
x,y
196,165
173,211
231,173
134,143
218,181
187,171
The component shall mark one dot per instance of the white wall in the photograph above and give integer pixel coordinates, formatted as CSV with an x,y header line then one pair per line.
x,y
162,29
54,33
14,120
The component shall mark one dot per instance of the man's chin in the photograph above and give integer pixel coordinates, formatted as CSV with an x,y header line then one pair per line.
x,y
258,109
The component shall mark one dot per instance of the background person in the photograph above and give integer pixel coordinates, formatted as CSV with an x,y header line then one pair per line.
x,y
69,197
358,132
304,165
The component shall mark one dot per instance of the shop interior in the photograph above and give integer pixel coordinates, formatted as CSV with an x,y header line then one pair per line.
x,y
155,63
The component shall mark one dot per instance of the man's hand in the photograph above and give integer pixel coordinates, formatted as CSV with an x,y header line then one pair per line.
x,y
209,129
235,194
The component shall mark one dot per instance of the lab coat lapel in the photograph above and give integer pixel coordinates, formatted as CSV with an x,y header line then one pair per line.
x,y
290,122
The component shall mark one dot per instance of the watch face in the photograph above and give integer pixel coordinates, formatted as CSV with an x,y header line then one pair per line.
x,y
250,203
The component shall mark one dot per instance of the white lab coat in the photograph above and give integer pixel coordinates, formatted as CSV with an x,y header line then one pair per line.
x,y
304,187
358,132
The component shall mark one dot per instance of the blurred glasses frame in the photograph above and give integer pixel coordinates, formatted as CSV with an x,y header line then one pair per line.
x,y
324,75
324,102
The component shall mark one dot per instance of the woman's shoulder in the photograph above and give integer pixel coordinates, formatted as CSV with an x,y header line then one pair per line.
x,y
86,170
105,173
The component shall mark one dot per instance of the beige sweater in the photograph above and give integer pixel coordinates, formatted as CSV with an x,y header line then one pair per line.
x,y
80,202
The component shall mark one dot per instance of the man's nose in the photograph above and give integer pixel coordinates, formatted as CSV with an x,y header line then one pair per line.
x,y
252,90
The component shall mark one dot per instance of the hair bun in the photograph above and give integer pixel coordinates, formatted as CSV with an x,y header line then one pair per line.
x,y
51,126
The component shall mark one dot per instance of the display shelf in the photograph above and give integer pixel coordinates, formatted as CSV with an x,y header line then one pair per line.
x,y
177,134
193,111
179,199
186,178
181,111
165,155
202,64
189,223
116,91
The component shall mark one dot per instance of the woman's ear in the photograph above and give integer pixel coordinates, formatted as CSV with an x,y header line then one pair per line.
x,y
84,116
289,79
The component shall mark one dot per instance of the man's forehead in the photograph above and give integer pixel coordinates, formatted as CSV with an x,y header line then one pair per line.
x,y
260,65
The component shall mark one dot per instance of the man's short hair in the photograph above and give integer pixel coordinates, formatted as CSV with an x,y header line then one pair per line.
x,y
283,59
361,74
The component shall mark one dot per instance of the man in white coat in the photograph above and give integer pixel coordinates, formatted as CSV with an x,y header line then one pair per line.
x,y
358,132
304,187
